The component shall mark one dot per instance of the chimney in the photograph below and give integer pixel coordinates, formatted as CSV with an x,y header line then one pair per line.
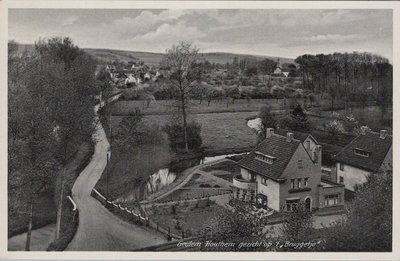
x,y
383,134
289,137
364,130
270,132
317,153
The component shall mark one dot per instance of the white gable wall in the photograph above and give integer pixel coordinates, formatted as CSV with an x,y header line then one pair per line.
x,y
351,176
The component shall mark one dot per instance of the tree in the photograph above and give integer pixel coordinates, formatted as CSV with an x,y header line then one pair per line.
x,y
64,77
368,223
32,166
176,139
297,224
268,120
311,98
296,120
182,61
232,92
335,127
236,225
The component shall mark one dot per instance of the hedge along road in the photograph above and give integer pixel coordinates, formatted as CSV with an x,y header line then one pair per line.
x,y
99,229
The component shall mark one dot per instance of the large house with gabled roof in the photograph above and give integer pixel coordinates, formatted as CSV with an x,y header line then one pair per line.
x,y
369,152
283,171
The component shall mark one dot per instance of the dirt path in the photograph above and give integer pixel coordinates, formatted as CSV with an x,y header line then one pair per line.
x,y
183,179
99,229
40,240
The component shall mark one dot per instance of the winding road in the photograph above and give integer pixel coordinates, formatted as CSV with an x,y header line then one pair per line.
x,y
99,229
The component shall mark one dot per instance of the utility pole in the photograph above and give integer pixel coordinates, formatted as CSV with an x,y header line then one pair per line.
x,y
59,211
107,173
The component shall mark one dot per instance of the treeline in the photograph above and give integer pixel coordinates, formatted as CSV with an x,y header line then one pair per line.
x,y
251,66
349,76
50,114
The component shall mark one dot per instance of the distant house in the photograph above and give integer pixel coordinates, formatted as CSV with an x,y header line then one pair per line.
x,y
278,70
283,171
132,80
110,68
285,73
369,152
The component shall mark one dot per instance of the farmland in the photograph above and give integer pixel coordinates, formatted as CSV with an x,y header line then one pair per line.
x,y
219,131
219,106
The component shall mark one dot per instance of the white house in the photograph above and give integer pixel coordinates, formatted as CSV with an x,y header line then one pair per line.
x,y
283,171
369,152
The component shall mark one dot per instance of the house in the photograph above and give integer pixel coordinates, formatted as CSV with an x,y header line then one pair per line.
x,y
369,152
110,68
283,171
278,70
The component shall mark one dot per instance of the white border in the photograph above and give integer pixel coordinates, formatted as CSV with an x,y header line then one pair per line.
x,y
194,5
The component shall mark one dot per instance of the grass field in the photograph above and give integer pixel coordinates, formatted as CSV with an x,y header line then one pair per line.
x,y
220,131
218,106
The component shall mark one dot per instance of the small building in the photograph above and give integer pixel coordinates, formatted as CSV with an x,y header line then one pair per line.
x,y
110,67
369,152
278,70
283,171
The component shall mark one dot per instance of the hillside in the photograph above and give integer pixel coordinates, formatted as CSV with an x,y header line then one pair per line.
x,y
108,55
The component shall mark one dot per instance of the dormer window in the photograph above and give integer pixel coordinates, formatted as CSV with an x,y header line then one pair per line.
x,y
263,157
362,153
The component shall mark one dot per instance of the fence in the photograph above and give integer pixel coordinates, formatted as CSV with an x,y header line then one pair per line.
x,y
204,195
139,217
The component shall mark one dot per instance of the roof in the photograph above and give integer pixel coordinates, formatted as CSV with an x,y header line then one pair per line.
x,y
274,146
370,142
301,136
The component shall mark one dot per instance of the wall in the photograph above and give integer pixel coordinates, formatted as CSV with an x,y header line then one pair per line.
x,y
271,190
330,191
310,170
313,145
351,175
245,173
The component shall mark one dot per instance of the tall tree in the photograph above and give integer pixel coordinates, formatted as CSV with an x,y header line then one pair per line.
x,y
182,61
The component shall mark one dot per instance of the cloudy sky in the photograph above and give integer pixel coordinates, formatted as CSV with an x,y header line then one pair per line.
x,y
285,33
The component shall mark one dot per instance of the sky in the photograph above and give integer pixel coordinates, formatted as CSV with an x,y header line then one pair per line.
x,y
284,33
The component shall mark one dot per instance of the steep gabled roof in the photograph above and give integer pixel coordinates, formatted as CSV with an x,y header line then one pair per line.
x,y
370,142
301,136
275,146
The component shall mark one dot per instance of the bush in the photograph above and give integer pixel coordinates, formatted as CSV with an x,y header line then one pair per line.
x,y
176,135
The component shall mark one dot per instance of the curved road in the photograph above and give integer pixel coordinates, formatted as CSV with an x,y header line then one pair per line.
x,y
99,229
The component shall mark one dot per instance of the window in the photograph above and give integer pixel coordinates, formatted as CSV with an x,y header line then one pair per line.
x,y
292,183
341,180
308,145
264,181
361,152
291,205
266,158
305,182
331,200
341,166
298,183
300,164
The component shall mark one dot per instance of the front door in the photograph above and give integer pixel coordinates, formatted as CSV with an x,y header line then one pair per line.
x,y
308,203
